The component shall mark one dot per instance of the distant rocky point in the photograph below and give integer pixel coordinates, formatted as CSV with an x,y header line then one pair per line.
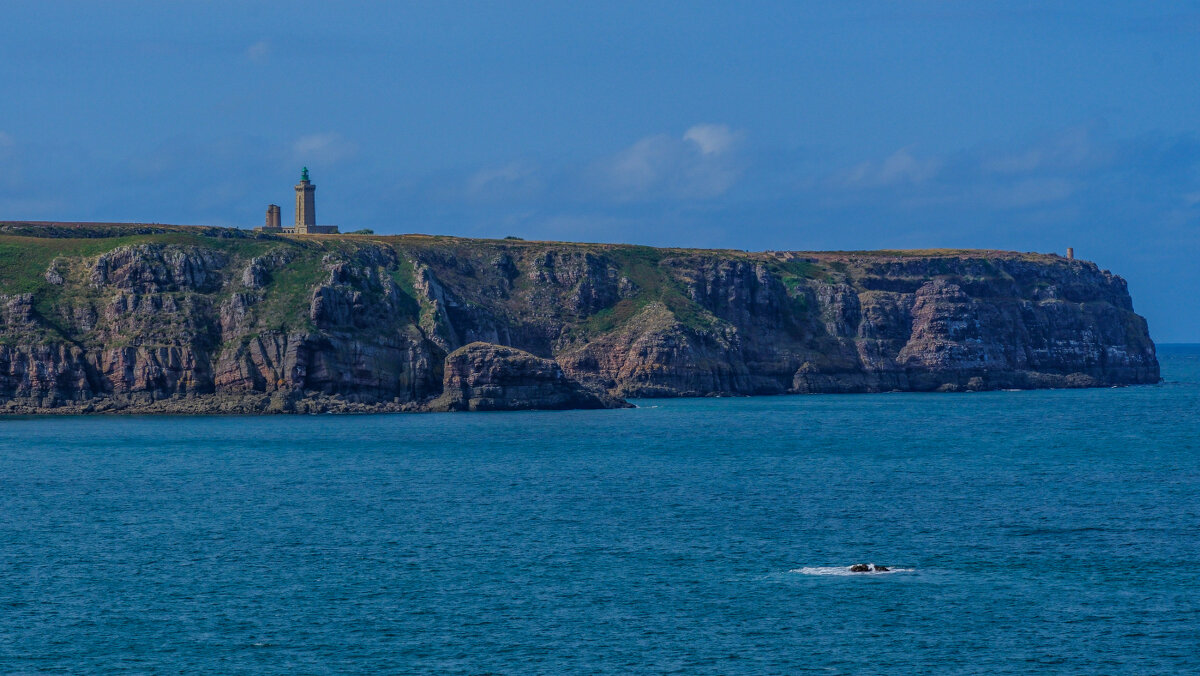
x,y
174,319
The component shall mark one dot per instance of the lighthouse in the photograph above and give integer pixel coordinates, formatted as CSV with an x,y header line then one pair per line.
x,y
306,204
306,213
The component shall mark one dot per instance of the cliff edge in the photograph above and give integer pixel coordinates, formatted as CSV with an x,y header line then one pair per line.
x,y
137,317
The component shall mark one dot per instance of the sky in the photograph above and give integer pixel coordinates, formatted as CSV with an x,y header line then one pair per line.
x,y
1030,126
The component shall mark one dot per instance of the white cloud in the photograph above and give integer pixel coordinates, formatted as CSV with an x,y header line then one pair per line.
x,y
1042,175
1070,149
643,164
899,168
713,139
1029,193
323,148
515,179
698,165
259,51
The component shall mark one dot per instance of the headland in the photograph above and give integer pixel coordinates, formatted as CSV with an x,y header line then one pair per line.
x,y
151,318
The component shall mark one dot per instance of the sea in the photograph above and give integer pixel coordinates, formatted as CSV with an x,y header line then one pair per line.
x,y
1052,531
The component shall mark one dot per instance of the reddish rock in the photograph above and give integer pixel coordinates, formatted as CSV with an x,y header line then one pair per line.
x,y
486,377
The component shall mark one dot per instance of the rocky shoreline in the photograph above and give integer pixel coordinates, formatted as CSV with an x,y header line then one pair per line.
x,y
210,404
304,403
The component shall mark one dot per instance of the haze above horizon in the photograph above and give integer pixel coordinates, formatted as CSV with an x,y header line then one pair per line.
x,y
788,126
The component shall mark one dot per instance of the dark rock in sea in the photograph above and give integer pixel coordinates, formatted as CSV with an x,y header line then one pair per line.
x,y
486,377
868,568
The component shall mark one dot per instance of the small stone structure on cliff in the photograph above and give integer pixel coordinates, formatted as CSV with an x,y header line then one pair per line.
x,y
273,218
306,213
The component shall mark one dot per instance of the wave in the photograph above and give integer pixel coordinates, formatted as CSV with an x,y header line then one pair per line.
x,y
845,570
1026,532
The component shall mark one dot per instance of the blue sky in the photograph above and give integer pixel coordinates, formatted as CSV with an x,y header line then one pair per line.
x,y
1010,125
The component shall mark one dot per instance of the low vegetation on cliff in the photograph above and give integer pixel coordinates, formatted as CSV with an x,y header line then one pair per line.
x,y
171,318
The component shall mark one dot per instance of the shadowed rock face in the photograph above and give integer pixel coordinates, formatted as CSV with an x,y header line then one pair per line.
x,y
177,319
486,377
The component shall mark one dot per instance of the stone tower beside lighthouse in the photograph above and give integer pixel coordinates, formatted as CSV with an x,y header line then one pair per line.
x,y
306,213
273,222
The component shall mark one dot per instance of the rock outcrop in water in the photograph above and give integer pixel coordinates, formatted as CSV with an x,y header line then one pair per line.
x,y
486,377
162,318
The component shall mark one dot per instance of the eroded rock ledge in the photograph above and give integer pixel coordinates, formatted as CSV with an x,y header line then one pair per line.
x,y
486,377
105,317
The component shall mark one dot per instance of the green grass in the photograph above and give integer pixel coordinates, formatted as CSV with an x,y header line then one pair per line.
x,y
24,260
797,269
612,317
795,275
405,276
288,296
687,312
642,265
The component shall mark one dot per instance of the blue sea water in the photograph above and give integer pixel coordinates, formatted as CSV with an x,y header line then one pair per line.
x,y
1051,531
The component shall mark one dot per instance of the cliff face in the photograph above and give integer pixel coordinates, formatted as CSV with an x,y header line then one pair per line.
x,y
487,377
162,318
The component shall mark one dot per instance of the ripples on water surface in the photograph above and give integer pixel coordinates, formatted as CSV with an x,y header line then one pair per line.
x,y
1036,531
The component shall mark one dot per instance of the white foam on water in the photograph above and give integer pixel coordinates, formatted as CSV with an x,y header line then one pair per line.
x,y
845,571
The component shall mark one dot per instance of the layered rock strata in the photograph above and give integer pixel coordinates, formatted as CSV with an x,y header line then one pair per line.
x,y
487,377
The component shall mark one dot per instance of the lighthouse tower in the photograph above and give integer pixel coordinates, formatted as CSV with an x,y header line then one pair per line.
x,y
306,213
306,204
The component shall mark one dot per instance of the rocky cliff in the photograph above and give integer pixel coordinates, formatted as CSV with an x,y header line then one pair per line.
x,y
98,317
487,377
